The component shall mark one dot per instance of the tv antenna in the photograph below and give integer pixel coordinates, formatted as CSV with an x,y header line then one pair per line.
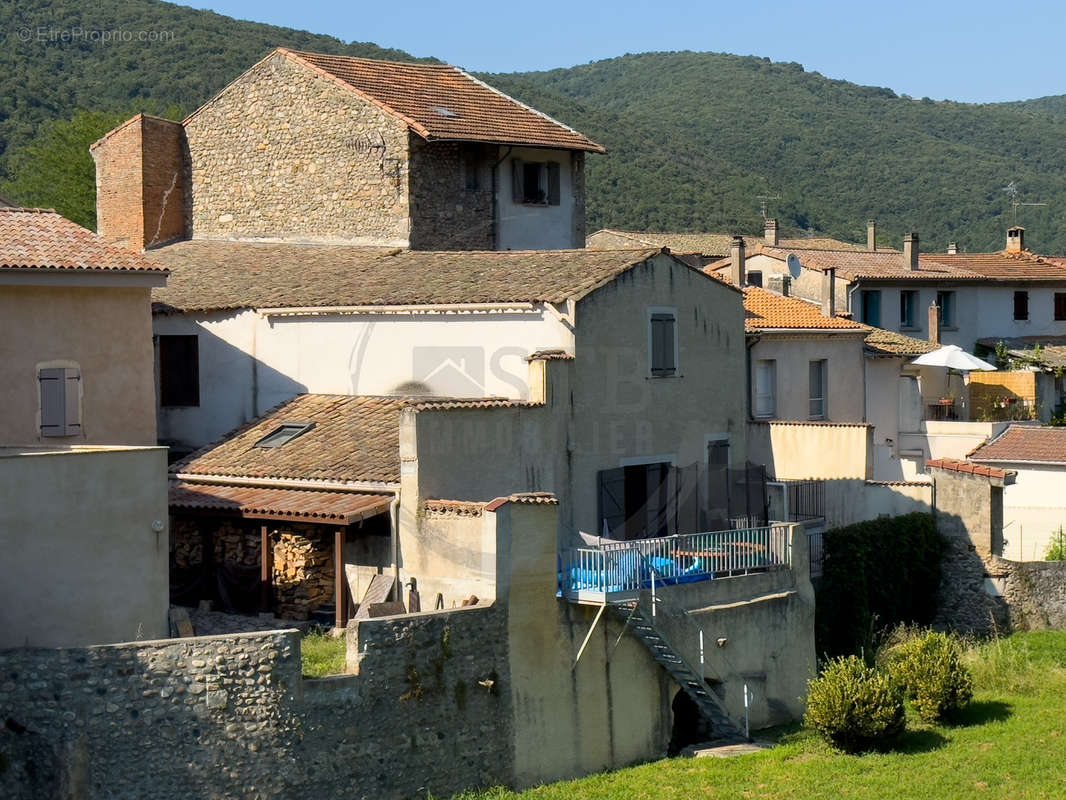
x,y
1012,192
763,200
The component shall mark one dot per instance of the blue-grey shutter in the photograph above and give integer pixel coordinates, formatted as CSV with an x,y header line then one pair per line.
x,y
53,405
554,186
72,401
662,344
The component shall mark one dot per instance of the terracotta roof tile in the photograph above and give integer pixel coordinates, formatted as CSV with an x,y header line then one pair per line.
x,y
355,439
969,468
1025,443
253,502
880,342
457,508
764,309
439,101
215,275
35,238
535,498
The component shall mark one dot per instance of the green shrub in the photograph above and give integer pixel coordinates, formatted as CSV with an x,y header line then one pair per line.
x,y
854,706
1056,549
929,666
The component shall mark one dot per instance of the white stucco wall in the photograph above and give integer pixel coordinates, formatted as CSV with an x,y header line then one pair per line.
x,y
250,363
536,227
1034,507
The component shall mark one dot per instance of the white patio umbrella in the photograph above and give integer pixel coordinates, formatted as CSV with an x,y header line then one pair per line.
x,y
953,357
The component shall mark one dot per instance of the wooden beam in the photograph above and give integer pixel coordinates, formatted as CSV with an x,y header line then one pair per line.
x,y
266,568
340,588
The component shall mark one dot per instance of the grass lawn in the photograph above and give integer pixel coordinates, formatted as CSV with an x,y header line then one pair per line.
x,y
322,655
1010,744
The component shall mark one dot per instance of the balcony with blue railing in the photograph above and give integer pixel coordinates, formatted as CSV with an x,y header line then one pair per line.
x,y
615,571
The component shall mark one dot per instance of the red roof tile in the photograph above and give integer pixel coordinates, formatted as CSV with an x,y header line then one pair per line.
x,y
253,502
764,309
439,101
1025,443
969,468
36,238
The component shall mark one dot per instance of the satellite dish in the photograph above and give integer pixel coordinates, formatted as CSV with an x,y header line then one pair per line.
x,y
794,266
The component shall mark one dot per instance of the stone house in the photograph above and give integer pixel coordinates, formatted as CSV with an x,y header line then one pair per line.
x,y
78,427
340,150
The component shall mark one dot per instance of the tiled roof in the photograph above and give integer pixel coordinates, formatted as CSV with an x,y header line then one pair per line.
x,y
1052,351
355,439
889,343
883,265
1025,443
715,244
215,275
532,498
439,101
765,309
37,238
954,465
456,508
254,502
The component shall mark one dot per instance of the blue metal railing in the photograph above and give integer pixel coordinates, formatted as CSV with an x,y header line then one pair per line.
x,y
617,569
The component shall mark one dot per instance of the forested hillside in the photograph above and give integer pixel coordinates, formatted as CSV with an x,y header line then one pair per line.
x,y
694,138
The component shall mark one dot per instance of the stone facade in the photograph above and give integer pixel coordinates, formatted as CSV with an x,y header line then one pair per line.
x,y
231,717
285,153
451,187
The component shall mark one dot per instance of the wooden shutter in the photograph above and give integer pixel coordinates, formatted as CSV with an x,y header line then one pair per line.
x,y
554,188
662,344
72,401
612,503
518,188
53,405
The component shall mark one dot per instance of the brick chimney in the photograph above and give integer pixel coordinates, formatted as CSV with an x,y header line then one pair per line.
x,y
934,324
1015,239
829,293
871,234
736,266
141,183
953,248
770,232
910,251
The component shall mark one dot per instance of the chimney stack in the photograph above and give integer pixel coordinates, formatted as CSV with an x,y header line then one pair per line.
x,y
953,248
910,251
829,293
934,324
871,234
770,232
1015,239
782,284
736,267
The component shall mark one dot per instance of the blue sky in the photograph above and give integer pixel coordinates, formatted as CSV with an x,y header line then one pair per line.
x,y
972,51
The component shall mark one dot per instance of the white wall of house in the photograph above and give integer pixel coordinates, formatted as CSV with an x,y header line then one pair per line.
x,y
249,362
536,226
1033,509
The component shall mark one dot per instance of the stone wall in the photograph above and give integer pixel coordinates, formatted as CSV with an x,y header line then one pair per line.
x,y
231,717
451,195
284,152
1034,592
577,188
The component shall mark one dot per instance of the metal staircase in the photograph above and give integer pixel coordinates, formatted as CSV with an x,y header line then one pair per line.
x,y
723,726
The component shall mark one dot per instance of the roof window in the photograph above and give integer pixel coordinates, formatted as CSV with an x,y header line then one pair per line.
x,y
284,434
444,112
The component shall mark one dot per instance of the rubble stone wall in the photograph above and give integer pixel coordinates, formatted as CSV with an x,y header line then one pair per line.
x,y
451,196
287,153
231,717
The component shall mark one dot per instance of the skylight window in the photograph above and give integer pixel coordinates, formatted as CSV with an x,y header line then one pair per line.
x,y
444,112
284,434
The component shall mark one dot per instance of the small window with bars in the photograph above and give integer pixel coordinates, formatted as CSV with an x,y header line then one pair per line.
x,y
663,342
60,389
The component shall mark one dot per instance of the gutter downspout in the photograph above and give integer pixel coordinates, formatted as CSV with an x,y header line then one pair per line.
x,y
752,340
394,528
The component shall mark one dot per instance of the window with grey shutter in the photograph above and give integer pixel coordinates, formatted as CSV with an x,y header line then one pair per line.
x,y
554,189
60,401
663,332
518,184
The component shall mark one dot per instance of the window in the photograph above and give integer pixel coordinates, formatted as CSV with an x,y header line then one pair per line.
x,y
535,183
946,302
871,307
908,309
179,371
1021,305
470,162
816,406
60,401
765,388
662,337
1060,306
284,434
634,501
754,278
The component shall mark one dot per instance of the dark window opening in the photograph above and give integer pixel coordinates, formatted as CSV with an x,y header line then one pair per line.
x,y
470,164
663,344
536,183
908,309
871,307
179,371
1021,305
634,500
755,278
285,434
946,302
1060,306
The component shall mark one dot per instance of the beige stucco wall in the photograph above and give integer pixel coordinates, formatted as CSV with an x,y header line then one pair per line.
x,y
107,333
792,354
453,554
284,152
852,500
82,562
810,285
1034,508
797,451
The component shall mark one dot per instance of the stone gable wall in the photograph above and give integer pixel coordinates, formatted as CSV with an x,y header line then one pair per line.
x,y
231,717
286,153
451,195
